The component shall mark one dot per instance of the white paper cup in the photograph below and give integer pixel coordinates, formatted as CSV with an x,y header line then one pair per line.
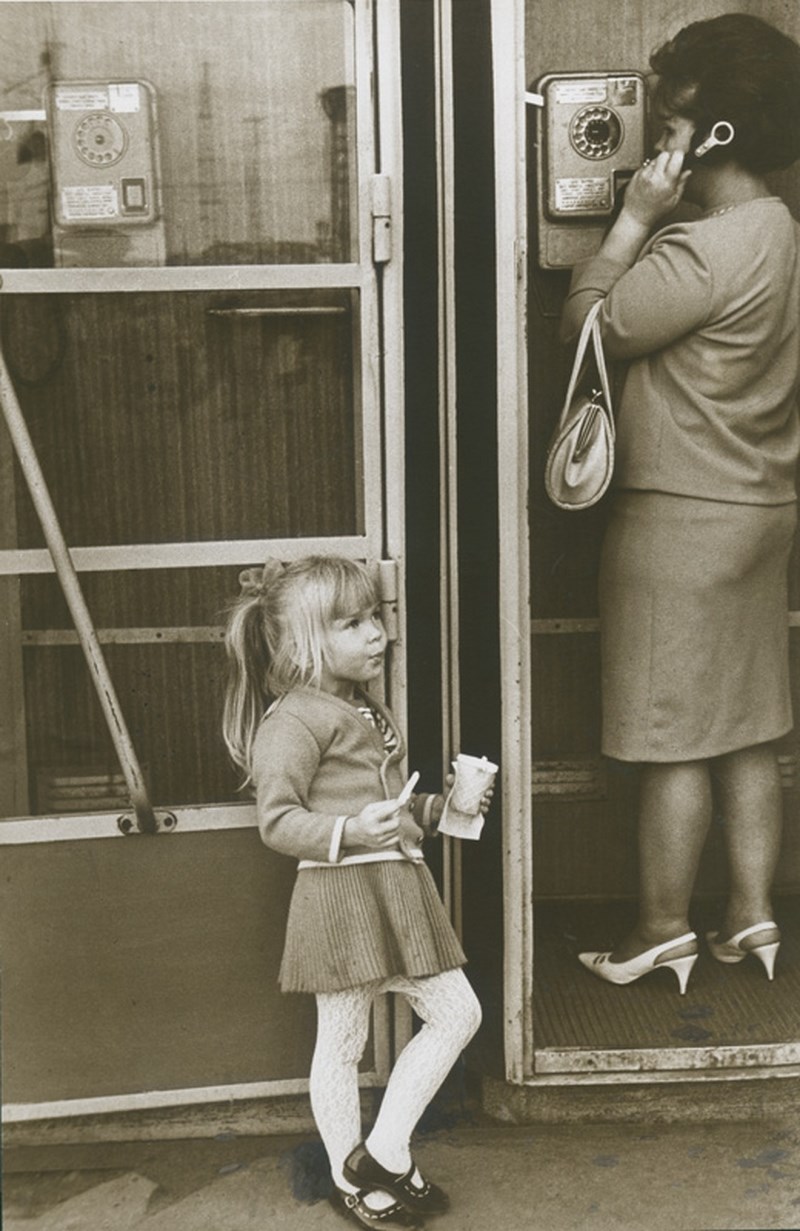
x,y
462,817
474,776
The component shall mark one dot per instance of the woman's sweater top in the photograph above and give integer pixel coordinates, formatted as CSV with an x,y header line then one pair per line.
x,y
708,323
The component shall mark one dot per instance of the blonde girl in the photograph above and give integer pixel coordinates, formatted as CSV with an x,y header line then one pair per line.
x,y
325,761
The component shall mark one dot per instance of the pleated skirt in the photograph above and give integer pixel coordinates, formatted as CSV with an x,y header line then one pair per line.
x,y
360,923
694,627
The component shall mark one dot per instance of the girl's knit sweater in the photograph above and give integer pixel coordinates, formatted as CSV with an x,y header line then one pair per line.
x,y
316,761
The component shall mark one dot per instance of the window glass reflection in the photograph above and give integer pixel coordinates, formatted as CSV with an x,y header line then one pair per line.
x,y
177,133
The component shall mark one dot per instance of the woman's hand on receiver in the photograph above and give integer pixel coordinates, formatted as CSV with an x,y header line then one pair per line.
x,y
652,194
656,188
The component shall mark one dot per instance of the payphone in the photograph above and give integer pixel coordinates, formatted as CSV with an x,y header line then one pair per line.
x,y
105,173
591,133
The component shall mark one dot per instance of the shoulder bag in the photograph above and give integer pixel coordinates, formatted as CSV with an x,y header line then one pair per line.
x,y
580,457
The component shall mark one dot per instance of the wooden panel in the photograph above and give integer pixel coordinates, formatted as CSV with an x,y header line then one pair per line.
x,y
139,599
146,964
566,694
595,35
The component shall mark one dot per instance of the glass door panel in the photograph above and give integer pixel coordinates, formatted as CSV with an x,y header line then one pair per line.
x,y
189,420
192,133
161,634
190,416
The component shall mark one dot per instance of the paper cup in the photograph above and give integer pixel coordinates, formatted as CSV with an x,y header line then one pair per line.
x,y
462,817
474,776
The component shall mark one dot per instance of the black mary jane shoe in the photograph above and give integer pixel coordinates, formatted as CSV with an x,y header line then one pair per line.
x,y
362,1169
351,1205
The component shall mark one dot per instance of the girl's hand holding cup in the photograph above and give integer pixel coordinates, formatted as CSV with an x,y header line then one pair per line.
x,y
469,797
440,800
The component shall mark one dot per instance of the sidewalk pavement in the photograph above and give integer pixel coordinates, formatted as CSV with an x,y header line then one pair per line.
x,y
551,1177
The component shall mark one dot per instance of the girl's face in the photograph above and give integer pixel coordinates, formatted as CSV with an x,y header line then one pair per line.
x,y
353,653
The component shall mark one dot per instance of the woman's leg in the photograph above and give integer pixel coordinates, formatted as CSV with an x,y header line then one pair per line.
x,y
342,1030
451,1013
751,806
674,817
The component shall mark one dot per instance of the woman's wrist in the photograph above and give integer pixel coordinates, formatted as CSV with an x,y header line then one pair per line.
x,y
626,238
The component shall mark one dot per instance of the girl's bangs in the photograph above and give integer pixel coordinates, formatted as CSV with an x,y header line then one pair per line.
x,y
352,590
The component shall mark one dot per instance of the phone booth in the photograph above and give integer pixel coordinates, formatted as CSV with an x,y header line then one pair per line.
x,y
563,90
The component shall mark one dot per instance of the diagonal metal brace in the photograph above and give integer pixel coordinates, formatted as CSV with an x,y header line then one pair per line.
x,y
68,578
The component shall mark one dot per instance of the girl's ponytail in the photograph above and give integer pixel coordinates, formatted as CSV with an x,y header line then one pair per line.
x,y
275,637
246,645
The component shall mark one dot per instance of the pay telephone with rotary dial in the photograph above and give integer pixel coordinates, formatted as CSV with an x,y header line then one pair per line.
x,y
590,139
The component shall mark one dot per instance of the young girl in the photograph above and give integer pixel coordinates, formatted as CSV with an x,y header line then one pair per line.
x,y
365,917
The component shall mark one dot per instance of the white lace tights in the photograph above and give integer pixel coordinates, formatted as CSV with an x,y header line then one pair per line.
x,y
450,1014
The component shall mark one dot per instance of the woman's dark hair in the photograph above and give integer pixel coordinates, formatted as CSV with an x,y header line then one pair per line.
x,y
740,69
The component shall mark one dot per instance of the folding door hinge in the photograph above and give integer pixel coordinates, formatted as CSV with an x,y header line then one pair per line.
x,y
389,592
381,219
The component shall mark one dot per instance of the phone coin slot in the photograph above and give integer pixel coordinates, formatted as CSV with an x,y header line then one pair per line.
x,y
134,196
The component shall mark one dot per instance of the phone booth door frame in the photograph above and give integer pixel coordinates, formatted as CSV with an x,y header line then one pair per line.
x,y
526,1063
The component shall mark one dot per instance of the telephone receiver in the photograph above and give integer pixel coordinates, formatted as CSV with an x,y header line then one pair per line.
x,y
722,133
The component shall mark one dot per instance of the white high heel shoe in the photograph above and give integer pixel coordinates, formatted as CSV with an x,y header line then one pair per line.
x,y
652,959
733,950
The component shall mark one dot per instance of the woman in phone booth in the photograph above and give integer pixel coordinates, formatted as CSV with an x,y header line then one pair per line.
x,y
703,318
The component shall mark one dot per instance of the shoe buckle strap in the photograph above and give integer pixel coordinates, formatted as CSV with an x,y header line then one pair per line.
x,y
409,1186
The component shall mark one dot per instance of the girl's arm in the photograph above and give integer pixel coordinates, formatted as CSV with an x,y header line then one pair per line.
x,y
286,759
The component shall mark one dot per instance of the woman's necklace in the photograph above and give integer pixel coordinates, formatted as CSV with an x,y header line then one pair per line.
x,y
726,209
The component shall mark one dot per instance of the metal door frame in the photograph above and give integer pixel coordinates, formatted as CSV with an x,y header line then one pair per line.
x,y
524,1063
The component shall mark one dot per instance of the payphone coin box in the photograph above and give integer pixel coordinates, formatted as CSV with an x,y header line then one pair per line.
x,y
105,173
590,139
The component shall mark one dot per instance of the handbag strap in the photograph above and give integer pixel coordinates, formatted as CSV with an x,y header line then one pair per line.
x,y
591,330
600,360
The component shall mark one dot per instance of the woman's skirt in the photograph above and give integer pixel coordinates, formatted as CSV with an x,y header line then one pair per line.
x,y
694,627
364,922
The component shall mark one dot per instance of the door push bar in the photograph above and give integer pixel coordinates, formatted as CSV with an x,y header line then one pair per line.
x,y
144,819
